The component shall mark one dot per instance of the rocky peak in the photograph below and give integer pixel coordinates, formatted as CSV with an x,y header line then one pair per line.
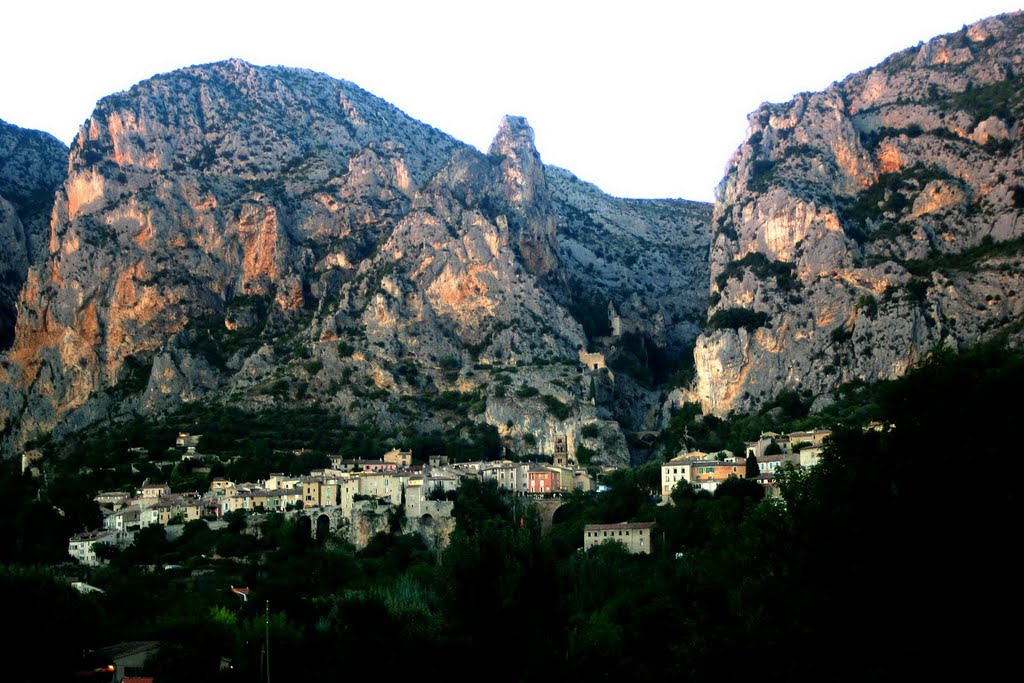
x,y
522,170
524,191
223,197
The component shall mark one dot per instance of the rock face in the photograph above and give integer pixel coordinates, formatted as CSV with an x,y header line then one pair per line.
x,y
647,258
859,227
273,236
32,165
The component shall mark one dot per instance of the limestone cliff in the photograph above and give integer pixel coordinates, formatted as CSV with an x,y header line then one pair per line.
x,y
859,227
645,257
32,165
269,236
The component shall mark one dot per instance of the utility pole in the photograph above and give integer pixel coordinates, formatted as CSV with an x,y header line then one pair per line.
x,y
266,640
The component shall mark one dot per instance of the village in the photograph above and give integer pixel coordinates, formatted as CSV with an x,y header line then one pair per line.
x,y
355,499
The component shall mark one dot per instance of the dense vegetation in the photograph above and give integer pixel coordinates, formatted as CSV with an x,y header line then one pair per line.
x,y
886,562
245,445
736,318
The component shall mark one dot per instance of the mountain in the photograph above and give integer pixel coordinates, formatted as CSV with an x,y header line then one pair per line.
x,y
32,166
271,237
860,227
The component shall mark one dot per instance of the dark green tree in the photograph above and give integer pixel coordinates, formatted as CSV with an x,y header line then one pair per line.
x,y
753,469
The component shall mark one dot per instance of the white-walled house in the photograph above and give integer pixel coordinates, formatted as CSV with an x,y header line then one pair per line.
x,y
82,547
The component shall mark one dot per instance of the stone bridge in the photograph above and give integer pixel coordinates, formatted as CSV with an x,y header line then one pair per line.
x,y
546,508
321,522
644,437
431,519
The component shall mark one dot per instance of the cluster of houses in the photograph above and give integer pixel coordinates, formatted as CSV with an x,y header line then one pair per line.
x,y
423,488
704,471
391,480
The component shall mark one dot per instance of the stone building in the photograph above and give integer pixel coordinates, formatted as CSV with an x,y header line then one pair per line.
x,y
635,536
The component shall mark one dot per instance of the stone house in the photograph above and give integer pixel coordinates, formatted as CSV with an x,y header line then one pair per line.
x,y
125,519
278,480
635,536
809,457
82,547
572,478
772,464
339,463
111,497
581,480
168,509
716,470
815,437
509,475
155,491
220,485
398,458
674,471
592,361
386,485
443,481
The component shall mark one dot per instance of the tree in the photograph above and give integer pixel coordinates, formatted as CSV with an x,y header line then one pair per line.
x,y
149,546
747,489
106,551
773,449
753,469
236,520
682,491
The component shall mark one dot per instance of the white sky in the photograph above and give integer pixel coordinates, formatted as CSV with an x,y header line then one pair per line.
x,y
643,98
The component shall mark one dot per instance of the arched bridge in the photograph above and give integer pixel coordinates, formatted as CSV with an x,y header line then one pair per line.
x,y
546,508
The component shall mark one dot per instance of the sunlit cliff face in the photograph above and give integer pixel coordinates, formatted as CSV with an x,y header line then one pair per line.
x,y
857,198
236,233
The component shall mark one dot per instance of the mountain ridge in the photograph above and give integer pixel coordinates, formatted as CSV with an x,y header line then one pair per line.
x,y
264,235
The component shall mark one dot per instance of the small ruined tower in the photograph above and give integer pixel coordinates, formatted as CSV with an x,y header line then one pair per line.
x,y
614,321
